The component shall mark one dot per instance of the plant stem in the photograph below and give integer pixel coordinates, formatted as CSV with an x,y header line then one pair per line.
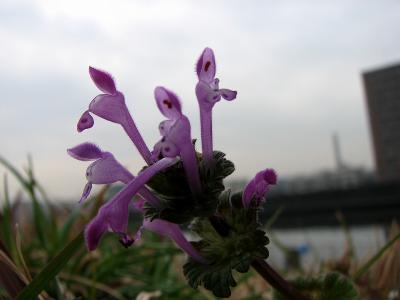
x,y
277,282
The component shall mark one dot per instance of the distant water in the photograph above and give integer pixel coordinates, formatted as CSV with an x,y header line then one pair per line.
x,y
326,244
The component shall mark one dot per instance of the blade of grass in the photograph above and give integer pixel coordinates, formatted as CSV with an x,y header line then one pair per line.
x,y
361,271
39,216
29,186
49,272
11,278
97,285
19,253
14,171
274,217
6,222
346,230
68,225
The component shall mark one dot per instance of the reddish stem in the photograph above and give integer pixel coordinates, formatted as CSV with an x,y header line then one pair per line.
x,y
274,279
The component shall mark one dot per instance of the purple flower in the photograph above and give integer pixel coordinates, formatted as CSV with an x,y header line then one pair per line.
x,y
258,186
111,106
114,214
104,170
173,231
208,93
176,138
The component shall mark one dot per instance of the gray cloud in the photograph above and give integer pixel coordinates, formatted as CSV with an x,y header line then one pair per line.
x,y
296,66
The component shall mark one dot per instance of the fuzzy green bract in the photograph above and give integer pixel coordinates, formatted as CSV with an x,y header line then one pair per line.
x,y
230,241
178,204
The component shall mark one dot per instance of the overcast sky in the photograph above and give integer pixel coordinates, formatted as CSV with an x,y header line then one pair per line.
x,y
295,64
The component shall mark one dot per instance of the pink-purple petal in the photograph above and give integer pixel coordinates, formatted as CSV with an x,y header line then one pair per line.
x,y
94,232
206,67
270,176
168,103
115,213
118,215
85,122
85,151
86,192
248,193
258,186
206,96
107,170
228,94
173,231
110,107
103,80
165,126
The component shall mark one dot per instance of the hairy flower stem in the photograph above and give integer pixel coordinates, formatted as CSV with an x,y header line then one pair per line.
x,y
206,136
262,267
277,282
133,133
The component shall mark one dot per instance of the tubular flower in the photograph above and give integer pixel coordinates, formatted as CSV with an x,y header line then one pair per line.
x,y
111,106
258,186
208,93
176,139
105,170
114,214
169,230
173,231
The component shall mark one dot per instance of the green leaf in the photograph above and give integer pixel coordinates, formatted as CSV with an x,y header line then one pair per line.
x,y
216,278
49,272
230,241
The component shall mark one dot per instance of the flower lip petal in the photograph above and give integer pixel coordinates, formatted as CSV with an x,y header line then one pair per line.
x,y
110,107
85,122
165,126
86,192
103,80
85,151
206,67
168,103
228,94
107,170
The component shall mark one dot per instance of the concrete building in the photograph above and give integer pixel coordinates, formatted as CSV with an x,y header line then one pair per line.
x,y
382,91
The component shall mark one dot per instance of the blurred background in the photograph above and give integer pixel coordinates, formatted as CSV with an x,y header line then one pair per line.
x,y
318,100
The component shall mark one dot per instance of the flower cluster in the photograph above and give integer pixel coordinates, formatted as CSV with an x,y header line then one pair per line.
x,y
175,175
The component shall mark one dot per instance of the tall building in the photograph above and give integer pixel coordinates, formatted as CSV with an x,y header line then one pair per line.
x,y
382,90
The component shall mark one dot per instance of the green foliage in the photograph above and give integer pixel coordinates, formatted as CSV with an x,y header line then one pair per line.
x,y
332,286
178,204
51,270
360,272
110,272
229,242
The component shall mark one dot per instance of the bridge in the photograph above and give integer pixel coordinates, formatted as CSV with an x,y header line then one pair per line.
x,y
375,204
